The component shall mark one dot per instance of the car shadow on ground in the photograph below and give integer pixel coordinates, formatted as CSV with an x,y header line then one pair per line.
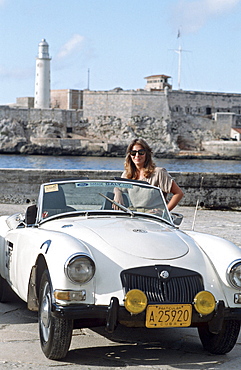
x,y
179,349
137,347
15,312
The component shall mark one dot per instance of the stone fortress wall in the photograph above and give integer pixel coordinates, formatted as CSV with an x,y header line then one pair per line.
x,y
122,103
69,117
172,121
181,120
125,104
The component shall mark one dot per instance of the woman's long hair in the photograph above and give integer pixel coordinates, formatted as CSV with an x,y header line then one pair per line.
x,y
130,167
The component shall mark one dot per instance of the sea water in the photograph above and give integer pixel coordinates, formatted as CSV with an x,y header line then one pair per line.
x,y
115,163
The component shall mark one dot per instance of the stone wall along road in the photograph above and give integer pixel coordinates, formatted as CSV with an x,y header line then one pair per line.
x,y
212,190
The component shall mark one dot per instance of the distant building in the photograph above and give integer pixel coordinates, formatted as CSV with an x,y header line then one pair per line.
x,y
62,99
157,82
27,101
66,99
42,77
236,134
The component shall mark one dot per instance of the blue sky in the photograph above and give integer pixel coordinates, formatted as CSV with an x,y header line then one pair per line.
x,y
120,42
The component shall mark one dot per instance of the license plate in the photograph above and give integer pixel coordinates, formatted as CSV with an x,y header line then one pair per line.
x,y
168,315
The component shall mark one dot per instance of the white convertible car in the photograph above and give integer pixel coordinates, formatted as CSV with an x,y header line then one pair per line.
x,y
82,259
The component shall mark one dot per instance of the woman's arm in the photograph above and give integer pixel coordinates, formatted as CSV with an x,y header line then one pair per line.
x,y
177,196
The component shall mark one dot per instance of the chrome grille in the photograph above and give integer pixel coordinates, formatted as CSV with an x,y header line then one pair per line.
x,y
176,289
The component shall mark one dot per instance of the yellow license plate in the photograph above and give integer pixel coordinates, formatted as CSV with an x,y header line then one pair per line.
x,y
168,315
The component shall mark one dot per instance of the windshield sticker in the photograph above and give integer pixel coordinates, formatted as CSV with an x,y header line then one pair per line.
x,y
103,184
51,188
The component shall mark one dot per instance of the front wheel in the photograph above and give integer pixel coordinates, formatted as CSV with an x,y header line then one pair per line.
x,y
222,342
55,333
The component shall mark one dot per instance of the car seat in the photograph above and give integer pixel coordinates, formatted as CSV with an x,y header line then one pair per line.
x,y
55,202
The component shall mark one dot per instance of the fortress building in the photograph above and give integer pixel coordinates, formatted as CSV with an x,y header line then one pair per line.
x,y
42,77
100,122
67,99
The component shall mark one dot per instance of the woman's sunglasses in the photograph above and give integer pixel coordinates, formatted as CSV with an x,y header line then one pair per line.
x,y
134,152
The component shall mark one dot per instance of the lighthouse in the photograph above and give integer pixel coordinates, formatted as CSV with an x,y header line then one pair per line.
x,y
42,77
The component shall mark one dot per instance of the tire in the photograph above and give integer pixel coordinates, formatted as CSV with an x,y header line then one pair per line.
x,y
223,342
55,333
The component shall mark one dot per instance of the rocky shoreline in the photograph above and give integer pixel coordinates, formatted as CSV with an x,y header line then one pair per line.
x,y
109,137
98,151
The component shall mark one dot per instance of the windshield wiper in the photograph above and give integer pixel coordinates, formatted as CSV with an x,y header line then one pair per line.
x,y
123,208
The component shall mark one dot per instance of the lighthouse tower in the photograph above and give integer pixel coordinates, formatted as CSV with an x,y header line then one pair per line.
x,y
42,77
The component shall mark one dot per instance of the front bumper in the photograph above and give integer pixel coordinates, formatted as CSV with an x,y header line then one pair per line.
x,y
113,314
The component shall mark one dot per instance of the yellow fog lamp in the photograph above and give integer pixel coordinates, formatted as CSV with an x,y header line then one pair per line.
x,y
135,301
204,302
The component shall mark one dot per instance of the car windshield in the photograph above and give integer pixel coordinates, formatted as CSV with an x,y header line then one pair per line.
x,y
89,195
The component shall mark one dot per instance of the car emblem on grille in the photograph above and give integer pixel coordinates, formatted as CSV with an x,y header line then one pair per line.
x,y
164,274
139,231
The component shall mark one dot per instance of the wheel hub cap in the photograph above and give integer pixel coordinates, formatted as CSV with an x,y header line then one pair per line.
x,y
45,312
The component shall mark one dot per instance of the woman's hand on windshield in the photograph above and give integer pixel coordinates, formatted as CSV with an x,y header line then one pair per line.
x,y
118,198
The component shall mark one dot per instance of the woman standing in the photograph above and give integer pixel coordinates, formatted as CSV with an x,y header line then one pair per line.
x,y
139,165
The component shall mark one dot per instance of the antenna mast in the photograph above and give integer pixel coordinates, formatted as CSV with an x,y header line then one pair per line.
x,y
88,79
197,204
179,52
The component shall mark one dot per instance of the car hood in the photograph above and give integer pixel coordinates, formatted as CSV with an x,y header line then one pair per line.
x,y
137,237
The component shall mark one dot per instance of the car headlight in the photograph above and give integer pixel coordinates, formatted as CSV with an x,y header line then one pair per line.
x,y
80,269
234,274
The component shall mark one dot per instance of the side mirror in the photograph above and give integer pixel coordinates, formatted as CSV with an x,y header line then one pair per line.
x,y
31,214
176,218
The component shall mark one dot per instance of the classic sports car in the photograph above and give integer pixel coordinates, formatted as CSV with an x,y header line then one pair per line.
x,y
82,259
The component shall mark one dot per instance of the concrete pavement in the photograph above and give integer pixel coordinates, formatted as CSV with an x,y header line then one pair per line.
x,y
226,224
128,349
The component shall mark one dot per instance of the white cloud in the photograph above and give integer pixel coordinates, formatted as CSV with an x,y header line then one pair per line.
x,y
193,14
72,45
220,6
15,73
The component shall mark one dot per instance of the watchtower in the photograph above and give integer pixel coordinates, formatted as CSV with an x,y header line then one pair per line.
x,y
157,82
